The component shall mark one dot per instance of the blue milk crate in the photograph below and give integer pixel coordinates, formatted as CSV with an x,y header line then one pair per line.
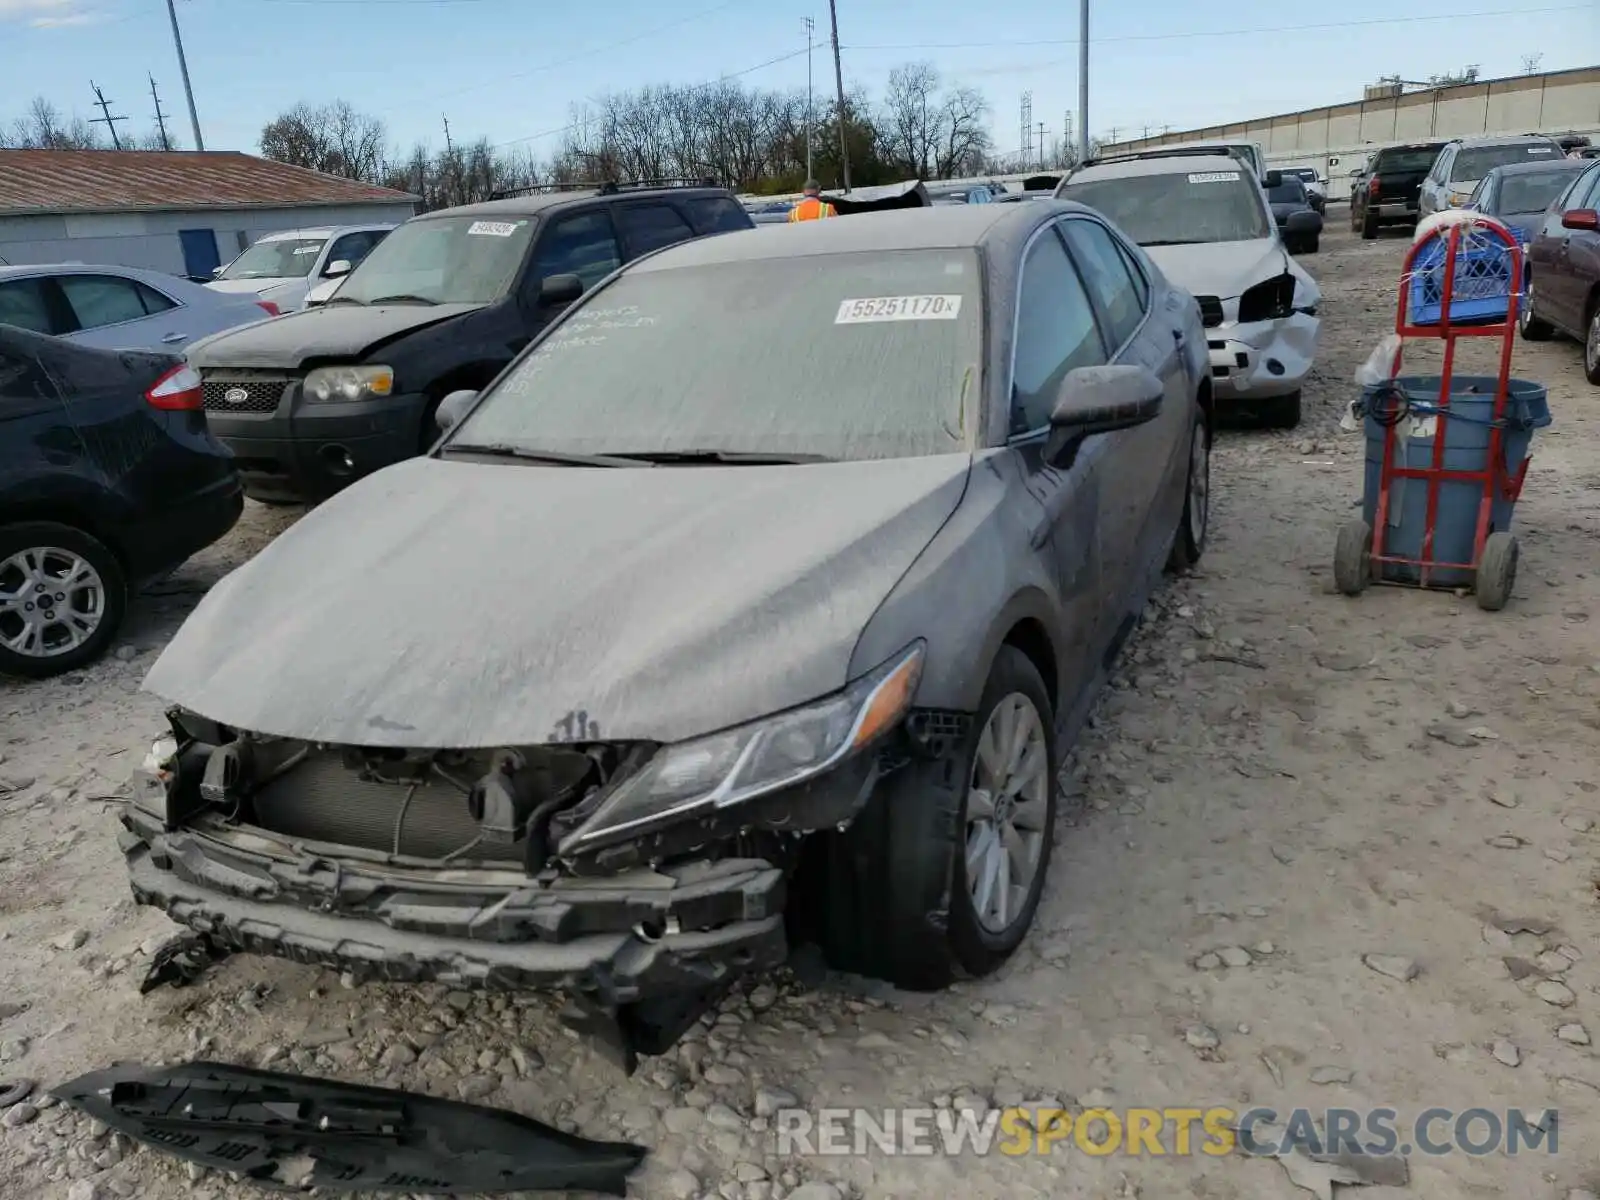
x,y
1483,283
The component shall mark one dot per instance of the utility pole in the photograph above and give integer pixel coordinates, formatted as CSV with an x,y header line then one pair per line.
x,y
448,148
1083,80
161,117
838,80
106,118
183,69
1114,135
811,29
1041,145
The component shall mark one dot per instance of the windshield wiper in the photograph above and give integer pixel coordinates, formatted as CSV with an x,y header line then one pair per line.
x,y
402,298
342,300
1175,242
533,454
756,458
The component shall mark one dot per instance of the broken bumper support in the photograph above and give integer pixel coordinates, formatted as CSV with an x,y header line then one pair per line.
x,y
629,955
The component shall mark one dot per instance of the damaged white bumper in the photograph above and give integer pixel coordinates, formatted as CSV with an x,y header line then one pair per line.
x,y
1262,359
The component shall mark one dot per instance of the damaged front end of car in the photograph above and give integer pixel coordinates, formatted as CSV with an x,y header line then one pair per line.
x,y
637,879
1263,341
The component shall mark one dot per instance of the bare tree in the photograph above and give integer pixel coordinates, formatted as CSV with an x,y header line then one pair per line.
x,y
44,127
332,138
928,132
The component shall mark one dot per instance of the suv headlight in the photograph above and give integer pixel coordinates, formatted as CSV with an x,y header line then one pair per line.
x,y
739,764
1270,300
335,385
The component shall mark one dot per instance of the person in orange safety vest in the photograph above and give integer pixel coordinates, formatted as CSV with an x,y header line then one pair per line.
x,y
813,207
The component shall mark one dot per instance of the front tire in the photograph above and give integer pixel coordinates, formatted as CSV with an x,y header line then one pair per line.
x,y
1591,344
1281,412
1312,245
62,599
920,891
1530,326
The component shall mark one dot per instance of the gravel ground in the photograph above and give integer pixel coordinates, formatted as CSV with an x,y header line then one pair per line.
x,y
1332,794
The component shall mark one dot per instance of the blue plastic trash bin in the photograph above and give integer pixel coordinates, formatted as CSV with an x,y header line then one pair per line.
x,y
1466,448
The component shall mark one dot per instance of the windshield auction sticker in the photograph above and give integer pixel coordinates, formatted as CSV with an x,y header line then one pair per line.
x,y
492,228
898,308
1215,177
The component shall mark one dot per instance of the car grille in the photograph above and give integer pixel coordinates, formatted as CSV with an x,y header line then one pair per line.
x,y
1210,310
261,392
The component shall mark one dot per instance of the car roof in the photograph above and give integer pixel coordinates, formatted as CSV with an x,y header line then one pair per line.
x,y
939,227
1570,165
1177,164
542,202
1509,139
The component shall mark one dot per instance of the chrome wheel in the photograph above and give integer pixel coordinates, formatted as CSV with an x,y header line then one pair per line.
x,y
1007,812
1591,344
1525,309
51,601
1199,486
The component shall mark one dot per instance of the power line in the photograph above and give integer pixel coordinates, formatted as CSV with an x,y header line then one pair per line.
x,y
582,54
1171,37
699,87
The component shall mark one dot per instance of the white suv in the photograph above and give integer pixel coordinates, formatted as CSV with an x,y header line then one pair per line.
x,y
281,268
1465,161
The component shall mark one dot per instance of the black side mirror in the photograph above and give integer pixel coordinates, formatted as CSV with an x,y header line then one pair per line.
x,y
1303,221
1100,400
1272,179
452,408
560,289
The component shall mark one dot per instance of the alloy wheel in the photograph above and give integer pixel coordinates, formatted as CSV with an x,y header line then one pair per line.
x,y
1591,344
1525,309
1008,808
51,601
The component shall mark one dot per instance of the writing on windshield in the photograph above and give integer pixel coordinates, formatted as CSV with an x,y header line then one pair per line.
x,y
442,260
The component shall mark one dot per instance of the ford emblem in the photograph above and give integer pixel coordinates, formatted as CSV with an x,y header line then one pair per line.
x,y
236,395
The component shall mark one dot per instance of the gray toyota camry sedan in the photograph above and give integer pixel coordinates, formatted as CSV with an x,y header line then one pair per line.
x,y
753,604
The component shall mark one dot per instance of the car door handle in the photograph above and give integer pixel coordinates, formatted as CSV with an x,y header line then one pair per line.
x,y
175,337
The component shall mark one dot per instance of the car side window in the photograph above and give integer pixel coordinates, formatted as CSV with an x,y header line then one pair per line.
x,y
1106,272
99,300
1141,285
1585,192
717,214
352,248
583,245
23,303
153,301
647,227
1056,333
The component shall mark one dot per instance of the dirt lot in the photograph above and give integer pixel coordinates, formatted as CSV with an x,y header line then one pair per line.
x,y
1281,778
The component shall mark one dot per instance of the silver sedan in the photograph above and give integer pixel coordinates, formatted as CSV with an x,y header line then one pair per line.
x,y
120,308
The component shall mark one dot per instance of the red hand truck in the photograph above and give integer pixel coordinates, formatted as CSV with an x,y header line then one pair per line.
x,y
1362,555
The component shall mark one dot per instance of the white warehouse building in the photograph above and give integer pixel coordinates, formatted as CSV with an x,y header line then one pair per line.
x,y
183,212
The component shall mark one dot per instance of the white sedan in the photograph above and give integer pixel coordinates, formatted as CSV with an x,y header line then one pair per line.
x,y
120,308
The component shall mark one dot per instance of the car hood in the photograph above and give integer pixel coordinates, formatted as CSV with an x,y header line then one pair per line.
x,y
1223,269
463,604
339,331
253,287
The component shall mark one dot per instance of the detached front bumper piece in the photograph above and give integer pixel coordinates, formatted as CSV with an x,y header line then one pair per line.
x,y
1262,359
293,1133
609,944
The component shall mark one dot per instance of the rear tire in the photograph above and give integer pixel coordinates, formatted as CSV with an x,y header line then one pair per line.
x,y
88,612
1189,539
1591,344
895,896
1281,412
1369,227
1529,326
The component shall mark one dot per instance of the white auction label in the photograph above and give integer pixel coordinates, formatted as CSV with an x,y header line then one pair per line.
x,y
1215,177
898,308
492,228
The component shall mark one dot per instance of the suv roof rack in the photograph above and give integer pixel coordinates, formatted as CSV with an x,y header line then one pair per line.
x,y
607,187
1172,152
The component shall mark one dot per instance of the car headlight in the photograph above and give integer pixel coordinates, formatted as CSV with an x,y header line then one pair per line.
x,y
1457,199
334,385
739,764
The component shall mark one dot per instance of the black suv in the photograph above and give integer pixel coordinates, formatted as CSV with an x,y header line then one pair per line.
x,y
314,400
1389,191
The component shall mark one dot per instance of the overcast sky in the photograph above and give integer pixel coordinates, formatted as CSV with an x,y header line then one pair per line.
x,y
512,69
